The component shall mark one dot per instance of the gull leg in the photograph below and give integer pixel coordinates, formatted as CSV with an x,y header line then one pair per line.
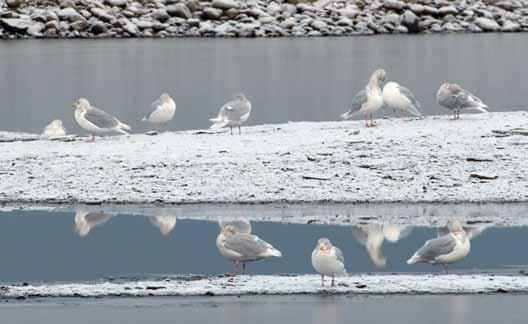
x,y
236,267
333,281
366,120
243,268
458,114
372,124
231,130
93,138
322,280
239,131
445,268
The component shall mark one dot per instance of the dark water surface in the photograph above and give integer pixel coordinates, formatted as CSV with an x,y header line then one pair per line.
x,y
60,246
474,309
286,79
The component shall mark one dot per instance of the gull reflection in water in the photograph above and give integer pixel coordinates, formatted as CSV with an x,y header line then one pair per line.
x,y
471,231
371,236
85,221
164,223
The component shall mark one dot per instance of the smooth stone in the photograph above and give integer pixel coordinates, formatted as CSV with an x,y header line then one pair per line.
x,y
35,30
289,8
225,4
193,5
487,24
448,10
349,12
79,25
102,14
212,13
318,24
345,22
129,27
391,18
98,28
16,25
430,10
193,22
143,24
393,5
69,14
289,23
417,8
179,10
160,15
410,21
509,26
274,8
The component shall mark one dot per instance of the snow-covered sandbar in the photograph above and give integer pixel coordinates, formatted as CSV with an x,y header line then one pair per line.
x,y
278,285
479,158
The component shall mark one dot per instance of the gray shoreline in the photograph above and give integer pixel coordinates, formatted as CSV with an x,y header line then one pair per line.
x,y
265,18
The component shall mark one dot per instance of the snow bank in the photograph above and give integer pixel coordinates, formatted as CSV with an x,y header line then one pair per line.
x,y
275,285
479,158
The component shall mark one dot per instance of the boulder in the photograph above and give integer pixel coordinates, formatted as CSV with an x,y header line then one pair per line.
x,y
225,4
16,25
212,13
179,10
409,20
487,24
80,25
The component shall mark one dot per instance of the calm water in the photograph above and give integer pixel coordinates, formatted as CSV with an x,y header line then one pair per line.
x,y
286,79
60,246
475,309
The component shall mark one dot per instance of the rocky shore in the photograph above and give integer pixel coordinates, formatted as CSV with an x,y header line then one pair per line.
x,y
254,18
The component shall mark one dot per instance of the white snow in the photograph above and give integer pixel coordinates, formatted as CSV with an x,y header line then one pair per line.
x,y
401,160
273,285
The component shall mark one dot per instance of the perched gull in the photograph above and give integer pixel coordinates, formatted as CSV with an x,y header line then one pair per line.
x,y
369,99
54,129
85,221
164,223
328,260
446,249
163,110
398,97
95,120
454,97
241,225
233,114
242,247
372,236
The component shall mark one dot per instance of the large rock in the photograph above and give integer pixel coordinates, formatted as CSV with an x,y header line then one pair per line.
x,y
225,4
16,25
448,10
487,24
69,14
179,10
80,25
410,21
98,28
393,5
160,15
510,26
212,13
102,14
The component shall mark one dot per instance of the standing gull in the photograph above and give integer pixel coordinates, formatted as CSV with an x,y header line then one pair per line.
x,y
243,247
162,112
454,97
398,97
97,121
446,249
328,260
233,114
368,100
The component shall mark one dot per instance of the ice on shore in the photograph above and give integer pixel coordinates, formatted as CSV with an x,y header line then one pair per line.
x,y
277,285
479,158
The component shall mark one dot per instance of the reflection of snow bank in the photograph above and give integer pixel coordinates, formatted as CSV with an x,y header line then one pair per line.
x,y
272,285
430,159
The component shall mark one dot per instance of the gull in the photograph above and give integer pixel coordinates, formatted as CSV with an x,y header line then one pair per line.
x,y
95,120
233,114
372,236
446,249
163,110
399,97
54,130
369,99
85,221
454,97
164,223
243,247
328,260
241,225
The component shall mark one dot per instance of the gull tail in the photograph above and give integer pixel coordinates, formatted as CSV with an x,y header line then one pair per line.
x,y
274,252
415,258
482,108
121,128
413,110
349,114
217,122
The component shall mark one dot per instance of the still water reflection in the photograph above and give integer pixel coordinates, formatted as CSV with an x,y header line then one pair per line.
x,y
36,246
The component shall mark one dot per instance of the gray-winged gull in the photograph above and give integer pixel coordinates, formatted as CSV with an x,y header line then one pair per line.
x,y
368,100
454,97
243,247
446,249
233,114
85,221
163,110
328,260
95,120
399,97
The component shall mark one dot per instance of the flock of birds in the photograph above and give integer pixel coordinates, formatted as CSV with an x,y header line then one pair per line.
x,y
236,243
236,112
